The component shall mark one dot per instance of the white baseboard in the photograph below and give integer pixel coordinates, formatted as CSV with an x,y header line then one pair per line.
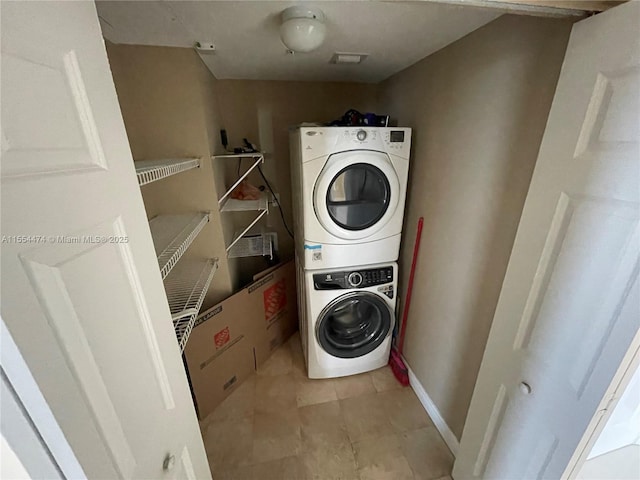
x,y
448,436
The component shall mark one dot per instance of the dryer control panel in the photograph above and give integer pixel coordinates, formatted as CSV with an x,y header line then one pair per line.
x,y
318,141
353,278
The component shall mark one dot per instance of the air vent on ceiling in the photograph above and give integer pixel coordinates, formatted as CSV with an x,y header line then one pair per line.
x,y
348,58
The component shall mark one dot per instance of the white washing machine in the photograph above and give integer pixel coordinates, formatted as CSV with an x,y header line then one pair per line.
x,y
347,319
349,189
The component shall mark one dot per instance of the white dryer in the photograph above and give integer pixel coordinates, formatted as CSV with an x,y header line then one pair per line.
x,y
349,189
347,319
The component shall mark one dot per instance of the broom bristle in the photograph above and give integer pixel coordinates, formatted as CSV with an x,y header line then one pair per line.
x,y
399,369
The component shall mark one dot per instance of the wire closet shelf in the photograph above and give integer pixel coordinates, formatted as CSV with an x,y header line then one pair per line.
x,y
172,235
186,288
235,205
253,245
149,171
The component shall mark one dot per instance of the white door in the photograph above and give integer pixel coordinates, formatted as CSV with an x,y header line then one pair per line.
x,y
570,302
81,290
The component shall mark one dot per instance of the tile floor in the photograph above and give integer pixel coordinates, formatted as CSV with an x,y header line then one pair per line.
x,y
280,425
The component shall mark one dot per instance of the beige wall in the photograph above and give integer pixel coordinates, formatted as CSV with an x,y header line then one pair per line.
x,y
478,109
168,102
263,111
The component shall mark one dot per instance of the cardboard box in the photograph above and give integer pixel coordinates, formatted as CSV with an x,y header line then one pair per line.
x,y
233,338
273,298
219,355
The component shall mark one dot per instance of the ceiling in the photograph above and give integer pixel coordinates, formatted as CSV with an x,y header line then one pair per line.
x,y
394,34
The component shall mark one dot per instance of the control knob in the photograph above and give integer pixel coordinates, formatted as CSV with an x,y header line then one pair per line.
x,y
361,135
355,279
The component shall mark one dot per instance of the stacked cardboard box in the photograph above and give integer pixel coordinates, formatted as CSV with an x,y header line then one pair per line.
x,y
232,339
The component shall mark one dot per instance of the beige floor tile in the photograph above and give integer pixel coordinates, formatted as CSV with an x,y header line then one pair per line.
x,y
279,363
381,458
327,441
276,435
404,410
364,417
311,392
274,394
228,443
321,417
237,405
281,425
289,468
239,473
427,453
353,386
330,465
298,365
383,379
294,342
323,428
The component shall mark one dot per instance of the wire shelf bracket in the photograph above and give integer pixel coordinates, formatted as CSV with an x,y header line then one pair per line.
x,y
258,159
149,171
173,234
246,229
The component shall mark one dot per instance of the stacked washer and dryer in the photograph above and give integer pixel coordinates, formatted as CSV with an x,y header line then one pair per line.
x,y
349,189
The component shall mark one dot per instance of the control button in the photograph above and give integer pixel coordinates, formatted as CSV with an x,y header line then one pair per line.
x,y
355,279
361,135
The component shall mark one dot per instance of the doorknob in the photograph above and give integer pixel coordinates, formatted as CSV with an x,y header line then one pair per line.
x,y
169,462
525,388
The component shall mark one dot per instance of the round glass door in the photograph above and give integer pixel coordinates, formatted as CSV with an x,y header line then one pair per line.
x,y
358,196
354,325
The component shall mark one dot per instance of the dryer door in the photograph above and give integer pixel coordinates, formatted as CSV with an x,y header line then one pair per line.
x,y
356,194
354,324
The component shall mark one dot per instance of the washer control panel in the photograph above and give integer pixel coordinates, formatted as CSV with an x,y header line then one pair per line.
x,y
353,279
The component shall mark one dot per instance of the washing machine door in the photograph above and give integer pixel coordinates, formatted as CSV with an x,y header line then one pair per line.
x,y
354,324
356,193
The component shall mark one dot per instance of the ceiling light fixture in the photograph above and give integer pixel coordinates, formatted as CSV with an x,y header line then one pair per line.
x,y
302,28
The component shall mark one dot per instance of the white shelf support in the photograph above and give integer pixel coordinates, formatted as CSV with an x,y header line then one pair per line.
x,y
238,237
149,171
258,159
242,246
173,234
186,288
